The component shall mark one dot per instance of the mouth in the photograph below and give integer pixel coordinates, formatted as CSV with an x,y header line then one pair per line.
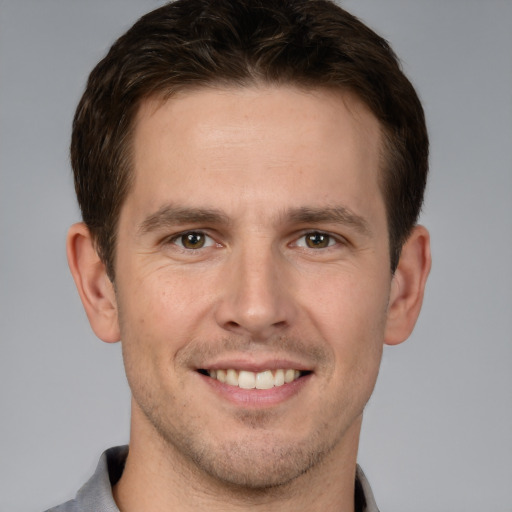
x,y
266,379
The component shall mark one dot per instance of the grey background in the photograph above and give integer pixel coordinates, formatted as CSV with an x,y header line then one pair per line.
x,y
438,431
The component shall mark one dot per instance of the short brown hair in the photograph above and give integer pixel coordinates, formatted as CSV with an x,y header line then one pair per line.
x,y
199,43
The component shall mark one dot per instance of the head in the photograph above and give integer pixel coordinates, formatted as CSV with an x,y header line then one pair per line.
x,y
248,173
186,45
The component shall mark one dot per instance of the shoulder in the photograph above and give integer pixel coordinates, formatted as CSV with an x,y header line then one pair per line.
x,y
96,494
69,506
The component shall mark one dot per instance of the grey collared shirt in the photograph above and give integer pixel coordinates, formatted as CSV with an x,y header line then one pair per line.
x,y
96,494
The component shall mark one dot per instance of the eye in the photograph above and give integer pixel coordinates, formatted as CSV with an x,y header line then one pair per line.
x,y
316,240
193,240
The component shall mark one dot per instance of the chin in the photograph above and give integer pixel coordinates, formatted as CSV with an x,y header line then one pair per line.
x,y
256,460
267,465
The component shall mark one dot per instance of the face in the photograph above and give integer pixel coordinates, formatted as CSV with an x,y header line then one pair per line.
x,y
252,278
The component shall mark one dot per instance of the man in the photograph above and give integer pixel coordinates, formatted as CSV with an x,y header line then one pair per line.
x,y
250,175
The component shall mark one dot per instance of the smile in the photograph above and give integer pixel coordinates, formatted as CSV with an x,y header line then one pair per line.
x,y
266,379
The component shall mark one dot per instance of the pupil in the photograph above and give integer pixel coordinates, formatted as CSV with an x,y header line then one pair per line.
x,y
193,240
318,240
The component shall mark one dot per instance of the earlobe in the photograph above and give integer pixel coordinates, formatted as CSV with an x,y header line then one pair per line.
x,y
408,286
94,286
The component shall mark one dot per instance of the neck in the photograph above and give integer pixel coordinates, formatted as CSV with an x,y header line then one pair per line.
x,y
158,477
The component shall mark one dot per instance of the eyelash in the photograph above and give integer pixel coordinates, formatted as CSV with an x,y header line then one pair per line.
x,y
198,233
327,238
332,240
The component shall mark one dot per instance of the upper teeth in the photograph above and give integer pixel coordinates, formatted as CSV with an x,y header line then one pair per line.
x,y
252,380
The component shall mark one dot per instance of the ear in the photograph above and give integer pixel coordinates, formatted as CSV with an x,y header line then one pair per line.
x,y
408,286
94,286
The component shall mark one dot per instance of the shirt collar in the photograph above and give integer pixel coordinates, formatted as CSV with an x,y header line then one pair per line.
x,y
364,498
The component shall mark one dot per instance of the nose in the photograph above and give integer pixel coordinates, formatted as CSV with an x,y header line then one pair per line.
x,y
256,298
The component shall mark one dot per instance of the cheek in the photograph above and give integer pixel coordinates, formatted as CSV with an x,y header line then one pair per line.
x,y
350,314
150,334
160,313
164,297
349,302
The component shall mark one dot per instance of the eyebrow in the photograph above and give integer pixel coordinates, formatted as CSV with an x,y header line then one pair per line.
x,y
169,215
336,215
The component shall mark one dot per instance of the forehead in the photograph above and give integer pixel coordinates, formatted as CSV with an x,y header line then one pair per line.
x,y
203,111
249,143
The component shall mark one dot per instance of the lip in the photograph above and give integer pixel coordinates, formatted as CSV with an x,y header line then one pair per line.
x,y
251,365
255,398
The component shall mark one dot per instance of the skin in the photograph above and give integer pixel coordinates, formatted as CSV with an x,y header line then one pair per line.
x,y
251,172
